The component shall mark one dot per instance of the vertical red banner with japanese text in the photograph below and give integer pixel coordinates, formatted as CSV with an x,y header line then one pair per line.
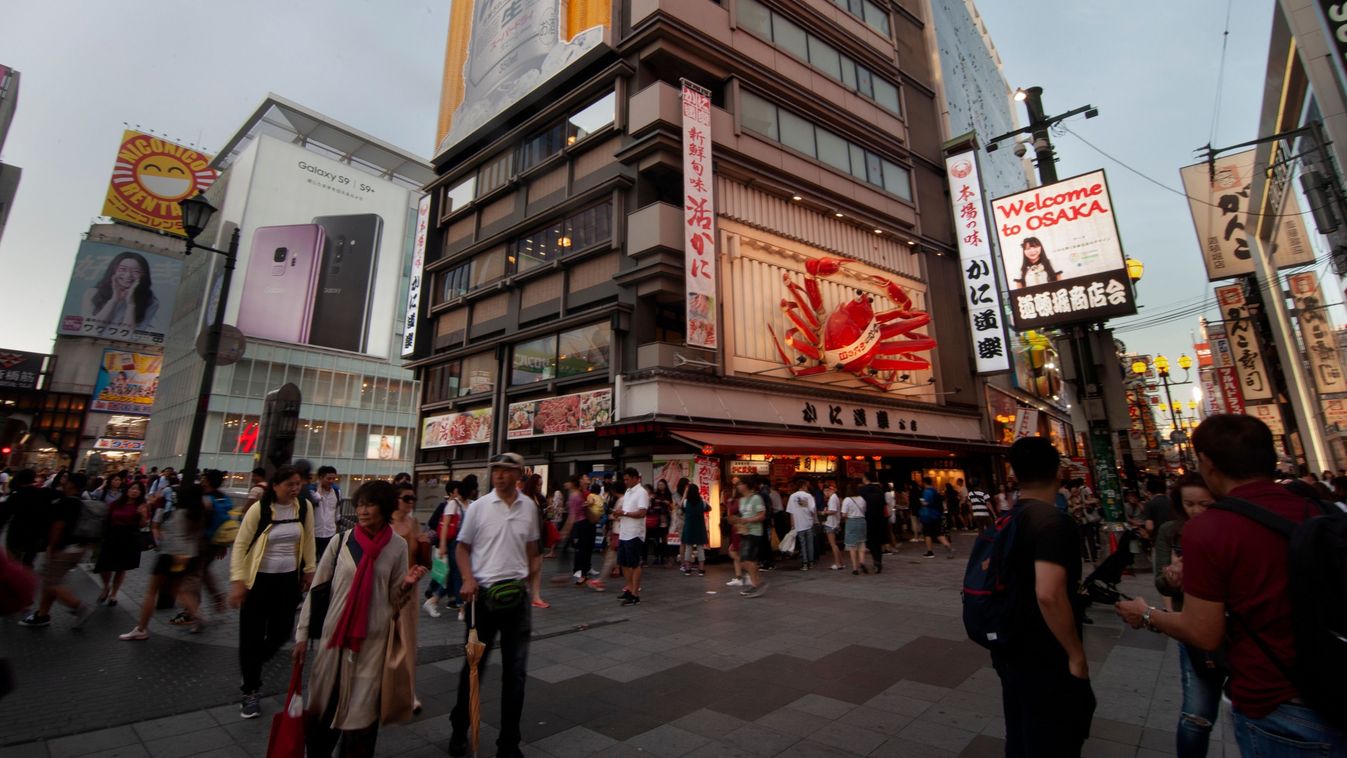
x,y
699,227
1246,354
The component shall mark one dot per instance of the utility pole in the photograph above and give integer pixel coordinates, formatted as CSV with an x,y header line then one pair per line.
x,y
1089,393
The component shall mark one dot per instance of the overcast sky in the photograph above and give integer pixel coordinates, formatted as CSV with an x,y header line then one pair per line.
x,y
194,71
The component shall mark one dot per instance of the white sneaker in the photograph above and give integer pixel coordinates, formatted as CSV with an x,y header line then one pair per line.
x,y
134,634
835,567
432,607
594,573
577,576
460,614
735,582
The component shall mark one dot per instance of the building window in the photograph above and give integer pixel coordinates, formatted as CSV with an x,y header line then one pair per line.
x,y
478,374
773,27
758,115
442,382
874,16
584,350
591,118
780,125
494,174
577,232
534,361
568,131
460,195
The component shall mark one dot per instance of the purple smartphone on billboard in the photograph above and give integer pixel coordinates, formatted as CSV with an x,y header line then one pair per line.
x,y
278,289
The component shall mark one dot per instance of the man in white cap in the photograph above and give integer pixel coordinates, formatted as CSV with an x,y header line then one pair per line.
x,y
497,554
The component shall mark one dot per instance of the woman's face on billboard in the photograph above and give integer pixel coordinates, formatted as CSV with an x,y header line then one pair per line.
x,y
128,274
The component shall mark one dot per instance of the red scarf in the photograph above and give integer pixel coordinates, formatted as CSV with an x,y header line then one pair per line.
x,y
353,627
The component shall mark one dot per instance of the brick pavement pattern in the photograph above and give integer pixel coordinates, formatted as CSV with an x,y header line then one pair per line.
x,y
824,664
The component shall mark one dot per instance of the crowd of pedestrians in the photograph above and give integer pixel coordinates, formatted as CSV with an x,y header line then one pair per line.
x,y
342,588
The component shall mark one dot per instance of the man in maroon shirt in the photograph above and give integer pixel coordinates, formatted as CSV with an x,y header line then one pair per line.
x,y
1231,563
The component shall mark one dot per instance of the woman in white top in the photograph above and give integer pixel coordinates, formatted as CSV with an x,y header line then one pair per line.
x,y
272,562
833,519
853,517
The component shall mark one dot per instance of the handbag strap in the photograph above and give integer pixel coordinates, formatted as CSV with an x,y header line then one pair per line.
x,y
296,680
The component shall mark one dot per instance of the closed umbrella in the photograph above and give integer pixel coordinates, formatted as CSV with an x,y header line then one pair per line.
x,y
474,649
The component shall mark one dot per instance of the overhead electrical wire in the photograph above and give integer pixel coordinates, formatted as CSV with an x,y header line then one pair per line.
x,y
1220,75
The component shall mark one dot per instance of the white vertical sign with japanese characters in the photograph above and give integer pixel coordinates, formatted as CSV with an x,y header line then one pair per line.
x,y
418,269
975,259
699,224
1321,346
1254,382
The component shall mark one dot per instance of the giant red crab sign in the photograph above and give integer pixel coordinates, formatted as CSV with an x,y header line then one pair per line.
x,y
852,337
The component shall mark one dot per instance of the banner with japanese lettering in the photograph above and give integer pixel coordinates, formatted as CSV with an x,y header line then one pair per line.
x,y
1026,422
20,370
1254,382
1218,196
418,269
699,232
1316,334
1213,401
1269,414
975,259
1335,413
1062,254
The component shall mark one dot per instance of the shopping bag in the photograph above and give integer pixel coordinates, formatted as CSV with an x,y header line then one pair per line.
x,y
397,696
788,542
439,571
287,727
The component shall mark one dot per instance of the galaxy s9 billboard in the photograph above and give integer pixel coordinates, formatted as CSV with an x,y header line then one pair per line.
x,y
321,250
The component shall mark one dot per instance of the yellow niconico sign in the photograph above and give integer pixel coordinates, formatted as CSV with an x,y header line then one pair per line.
x,y
150,178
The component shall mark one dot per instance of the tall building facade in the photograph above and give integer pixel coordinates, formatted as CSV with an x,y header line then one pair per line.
x,y
977,99
1303,101
325,218
9,174
700,239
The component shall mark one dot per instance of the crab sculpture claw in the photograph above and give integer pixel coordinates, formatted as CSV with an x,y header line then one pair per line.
x,y
825,266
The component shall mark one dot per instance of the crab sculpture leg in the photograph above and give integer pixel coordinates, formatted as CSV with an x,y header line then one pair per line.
x,y
802,309
899,341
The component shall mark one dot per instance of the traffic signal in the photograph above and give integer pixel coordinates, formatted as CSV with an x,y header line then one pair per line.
x,y
280,424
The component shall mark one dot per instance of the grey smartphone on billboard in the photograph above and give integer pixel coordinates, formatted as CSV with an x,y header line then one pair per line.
x,y
342,302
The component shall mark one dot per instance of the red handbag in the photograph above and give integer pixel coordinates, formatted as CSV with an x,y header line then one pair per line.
x,y
17,584
287,727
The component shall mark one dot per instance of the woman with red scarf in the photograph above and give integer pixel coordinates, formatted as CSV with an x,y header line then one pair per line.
x,y
367,568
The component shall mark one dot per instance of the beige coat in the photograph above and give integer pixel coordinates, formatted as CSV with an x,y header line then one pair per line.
x,y
356,678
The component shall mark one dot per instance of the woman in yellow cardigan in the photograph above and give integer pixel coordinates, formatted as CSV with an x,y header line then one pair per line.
x,y
272,563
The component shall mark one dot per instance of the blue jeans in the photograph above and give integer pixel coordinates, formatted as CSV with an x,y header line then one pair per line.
x,y
1201,705
1289,731
804,541
437,590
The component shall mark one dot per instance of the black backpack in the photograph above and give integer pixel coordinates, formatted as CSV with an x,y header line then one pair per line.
x,y
1317,557
264,516
988,602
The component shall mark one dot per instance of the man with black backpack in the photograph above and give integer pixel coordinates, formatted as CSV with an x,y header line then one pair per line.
x,y
1263,572
1025,614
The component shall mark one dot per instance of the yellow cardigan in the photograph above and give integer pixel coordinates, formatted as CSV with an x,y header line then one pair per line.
x,y
243,562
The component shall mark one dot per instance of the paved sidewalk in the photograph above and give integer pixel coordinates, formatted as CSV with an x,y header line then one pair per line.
x,y
825,664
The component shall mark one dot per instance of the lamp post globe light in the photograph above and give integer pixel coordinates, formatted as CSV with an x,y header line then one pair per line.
x,y
196,215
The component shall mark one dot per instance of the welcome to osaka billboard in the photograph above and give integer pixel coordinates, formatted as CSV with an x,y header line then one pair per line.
x,y
1062,255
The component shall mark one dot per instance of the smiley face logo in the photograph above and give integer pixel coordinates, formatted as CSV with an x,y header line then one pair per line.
x,y
151,176
164,175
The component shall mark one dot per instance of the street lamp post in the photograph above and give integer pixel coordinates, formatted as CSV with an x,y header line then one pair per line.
x,y
196,214
1162,368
